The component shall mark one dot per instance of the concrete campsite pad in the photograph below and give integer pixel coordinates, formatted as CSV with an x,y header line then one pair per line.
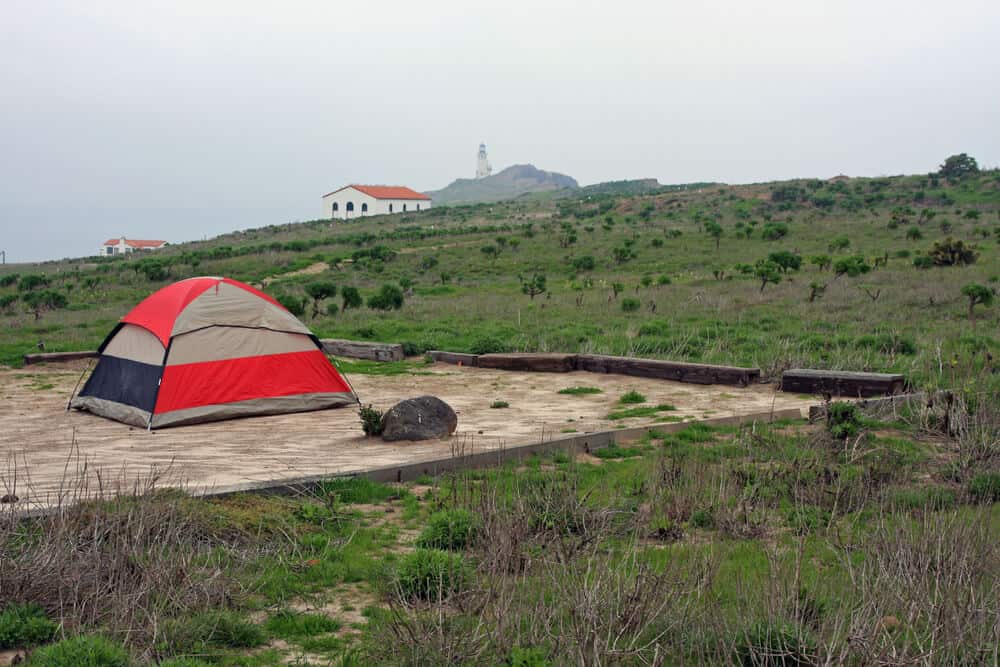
x,y
43,446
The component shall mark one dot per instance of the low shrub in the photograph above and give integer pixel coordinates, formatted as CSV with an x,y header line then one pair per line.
x,y
220,628
985,487
631,397
630,305
775,644
843,420
499,404
452,530
702,518
81,651
371,420
487,345
431,573
24,625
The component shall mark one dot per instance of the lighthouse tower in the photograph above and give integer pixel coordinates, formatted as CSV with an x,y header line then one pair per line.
x,y
483,168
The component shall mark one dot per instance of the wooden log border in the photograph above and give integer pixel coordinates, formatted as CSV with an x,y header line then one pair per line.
x,y
598,363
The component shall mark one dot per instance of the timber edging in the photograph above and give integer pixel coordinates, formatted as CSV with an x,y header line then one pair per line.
x,y
656,369
842,383
59,356
573,444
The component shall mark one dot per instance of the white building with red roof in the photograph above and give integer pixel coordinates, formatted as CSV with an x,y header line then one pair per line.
x,y
355,201
122,246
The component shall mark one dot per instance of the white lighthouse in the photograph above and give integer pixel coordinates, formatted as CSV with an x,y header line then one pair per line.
x,y
483,168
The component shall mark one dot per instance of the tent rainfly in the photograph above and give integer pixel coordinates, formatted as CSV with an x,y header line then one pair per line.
x,y
206,349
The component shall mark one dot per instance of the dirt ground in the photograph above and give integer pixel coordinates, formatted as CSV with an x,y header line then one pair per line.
x,y
43,446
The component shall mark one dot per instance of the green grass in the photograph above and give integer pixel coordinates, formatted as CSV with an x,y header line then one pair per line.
x,y
631,413
353,490
631,397
580,391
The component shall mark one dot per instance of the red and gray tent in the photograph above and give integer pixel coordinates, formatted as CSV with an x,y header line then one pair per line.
x,y
205,349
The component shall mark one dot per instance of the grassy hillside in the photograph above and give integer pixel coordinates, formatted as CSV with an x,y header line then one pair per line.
x,y
623,274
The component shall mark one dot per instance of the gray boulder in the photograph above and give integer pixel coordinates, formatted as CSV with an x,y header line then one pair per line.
x,y
421,418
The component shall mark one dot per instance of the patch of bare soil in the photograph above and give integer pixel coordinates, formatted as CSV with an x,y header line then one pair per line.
x,y
311,270
346,605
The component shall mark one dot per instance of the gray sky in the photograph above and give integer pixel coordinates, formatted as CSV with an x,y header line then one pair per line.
x,y
182,119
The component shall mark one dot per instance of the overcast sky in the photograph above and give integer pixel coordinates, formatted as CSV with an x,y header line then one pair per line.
x,y
181,119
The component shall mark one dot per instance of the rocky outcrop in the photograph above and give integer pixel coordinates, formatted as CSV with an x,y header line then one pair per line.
x,y
421,418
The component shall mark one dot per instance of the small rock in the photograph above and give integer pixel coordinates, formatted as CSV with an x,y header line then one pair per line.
x,y
421,418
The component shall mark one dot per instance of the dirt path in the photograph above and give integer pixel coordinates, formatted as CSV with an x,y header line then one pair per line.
x,y
42,445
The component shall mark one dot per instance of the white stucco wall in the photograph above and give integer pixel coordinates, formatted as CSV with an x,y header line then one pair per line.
x,y
375,206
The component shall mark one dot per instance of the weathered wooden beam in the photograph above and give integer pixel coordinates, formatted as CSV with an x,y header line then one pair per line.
x,y
363,350
842,383
668,370
58,356
455,358
538,363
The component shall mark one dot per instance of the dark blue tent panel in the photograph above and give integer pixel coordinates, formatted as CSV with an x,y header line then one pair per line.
x,y
124,381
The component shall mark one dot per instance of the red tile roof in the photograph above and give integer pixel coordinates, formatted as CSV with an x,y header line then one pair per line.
x,y
136,243
385,192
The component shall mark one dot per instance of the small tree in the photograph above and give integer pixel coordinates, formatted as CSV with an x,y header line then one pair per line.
x,y
351,297
839,243
786,261
816,290
914,234
852,266
977,294
389,297
31,282
534,285
952,252
491,251
318,291
292,303
42,300
766,272
821,262
714,229
957,166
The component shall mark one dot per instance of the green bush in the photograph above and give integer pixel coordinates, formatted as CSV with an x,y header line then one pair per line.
x,y
184,662
775,644
773,231
499,404
527,657
452,530
985,487
487,345
351,297
371,420
82,651
630,305
843,420
293,304
24,625
632,397
219,628
429,573
389,297
702,518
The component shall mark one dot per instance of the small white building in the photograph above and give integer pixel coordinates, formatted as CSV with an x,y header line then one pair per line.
x,y
122,246
355,201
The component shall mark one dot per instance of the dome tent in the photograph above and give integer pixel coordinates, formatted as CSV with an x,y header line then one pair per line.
x,y
205,349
